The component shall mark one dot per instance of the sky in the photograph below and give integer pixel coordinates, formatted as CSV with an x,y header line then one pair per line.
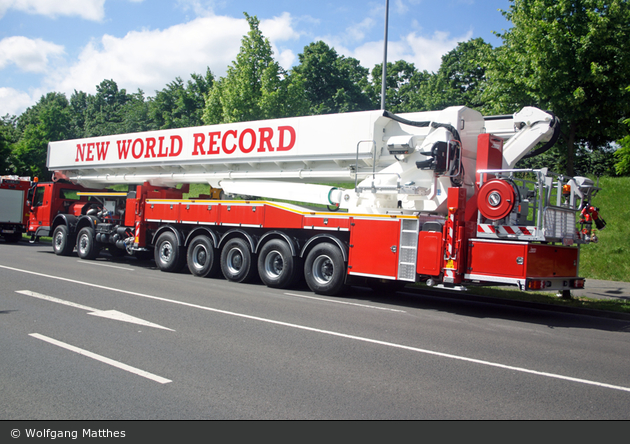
x,y
73,45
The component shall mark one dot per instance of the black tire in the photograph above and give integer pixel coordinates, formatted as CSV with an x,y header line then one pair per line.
x,y
168,255
87,247
237,261
277,267
202,257
62,242
325,269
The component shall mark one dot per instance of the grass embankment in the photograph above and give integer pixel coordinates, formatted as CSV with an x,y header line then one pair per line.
x,y
609,258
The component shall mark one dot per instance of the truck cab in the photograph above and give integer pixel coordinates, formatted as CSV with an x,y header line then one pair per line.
x,y
51,199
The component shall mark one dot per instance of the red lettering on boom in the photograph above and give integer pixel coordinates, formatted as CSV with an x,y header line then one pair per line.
x,y
101,150
150,146
137,142
291,143
123,150
162,152
80,152
227,150
252,141
213,144
198,145
90,155
265,139
177,139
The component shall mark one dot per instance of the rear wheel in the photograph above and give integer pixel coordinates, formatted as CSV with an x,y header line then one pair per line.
x,y
61,242
277,267
325,269
86,244
202,258
168,254
237,262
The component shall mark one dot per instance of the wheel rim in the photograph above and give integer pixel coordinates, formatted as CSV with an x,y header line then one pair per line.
x,y
58,240
166,252
235,260
199,256
323,269
83,244
274,264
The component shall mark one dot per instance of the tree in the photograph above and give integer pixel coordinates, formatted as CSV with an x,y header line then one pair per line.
x,y
332,83
49,120
181,105
463,73
571,57
136,114
400,91
104,112
255,86
8,137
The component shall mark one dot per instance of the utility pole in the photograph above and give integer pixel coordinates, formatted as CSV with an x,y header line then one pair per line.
x,y
384,82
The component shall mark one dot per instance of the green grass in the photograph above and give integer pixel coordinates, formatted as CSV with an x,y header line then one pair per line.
x,y
609,258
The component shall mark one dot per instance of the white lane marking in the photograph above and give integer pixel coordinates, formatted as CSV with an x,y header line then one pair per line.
x,y
100,264
110,314
341,335
103,359
344,302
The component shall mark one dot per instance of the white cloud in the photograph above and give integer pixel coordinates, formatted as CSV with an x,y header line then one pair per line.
x,y
277,30
150,59
146,60
424,52
14,102
27,54
87,9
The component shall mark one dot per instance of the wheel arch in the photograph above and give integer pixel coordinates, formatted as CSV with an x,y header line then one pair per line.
x,y
86,221
321,238
68,220
173,229
205,231
276,234
237,232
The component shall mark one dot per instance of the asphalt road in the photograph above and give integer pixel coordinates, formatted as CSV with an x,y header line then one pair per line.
x,y
120,340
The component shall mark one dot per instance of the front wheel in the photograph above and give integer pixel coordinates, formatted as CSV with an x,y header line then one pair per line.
x,y
325,269
61,242
86,244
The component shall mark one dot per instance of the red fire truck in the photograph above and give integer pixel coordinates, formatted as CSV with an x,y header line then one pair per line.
x,y
14,207
432,197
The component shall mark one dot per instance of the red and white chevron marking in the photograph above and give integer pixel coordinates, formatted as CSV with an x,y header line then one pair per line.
x,y
505,230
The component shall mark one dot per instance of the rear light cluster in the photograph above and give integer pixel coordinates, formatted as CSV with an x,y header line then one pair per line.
x,y
541,284
535,285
